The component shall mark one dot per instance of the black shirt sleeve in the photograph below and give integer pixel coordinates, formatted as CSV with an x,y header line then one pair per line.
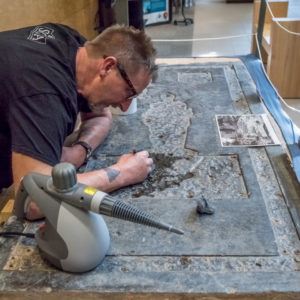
x,y
39,125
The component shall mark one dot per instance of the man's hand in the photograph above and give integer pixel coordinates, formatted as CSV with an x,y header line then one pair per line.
x,y
22,165
134,168
33,212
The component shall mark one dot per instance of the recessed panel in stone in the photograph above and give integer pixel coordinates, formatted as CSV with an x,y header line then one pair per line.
x,y
207,101
188,177
240,225
236,228
186,77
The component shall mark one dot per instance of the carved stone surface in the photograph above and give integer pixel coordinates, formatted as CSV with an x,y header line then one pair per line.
x,y
248,246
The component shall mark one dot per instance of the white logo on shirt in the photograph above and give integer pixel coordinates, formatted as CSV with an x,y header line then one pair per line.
x,y
40,34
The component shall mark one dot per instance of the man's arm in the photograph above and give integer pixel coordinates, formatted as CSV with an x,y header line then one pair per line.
x,y
93,130
130,169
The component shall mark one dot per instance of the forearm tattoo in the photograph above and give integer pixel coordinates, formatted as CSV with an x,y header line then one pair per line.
x,y
111,174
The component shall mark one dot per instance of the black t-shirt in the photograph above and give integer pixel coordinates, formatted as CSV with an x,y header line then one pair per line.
x,y
38,98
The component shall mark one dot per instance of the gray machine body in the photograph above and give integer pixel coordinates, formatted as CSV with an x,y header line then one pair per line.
x,y
72,239
81,244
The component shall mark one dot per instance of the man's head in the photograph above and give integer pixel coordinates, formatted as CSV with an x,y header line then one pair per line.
x,y
126,65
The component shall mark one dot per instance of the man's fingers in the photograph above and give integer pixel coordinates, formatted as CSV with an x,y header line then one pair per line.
x,y
144,153
149,162
150,165
34,212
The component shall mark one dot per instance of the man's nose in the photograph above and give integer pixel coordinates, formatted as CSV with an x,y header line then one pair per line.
x,y
124,105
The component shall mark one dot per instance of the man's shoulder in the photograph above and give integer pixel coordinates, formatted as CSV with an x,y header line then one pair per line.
x,y
42,33
51,31
39,59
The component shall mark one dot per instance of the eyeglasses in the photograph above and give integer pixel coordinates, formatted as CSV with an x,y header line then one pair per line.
x,y
126,78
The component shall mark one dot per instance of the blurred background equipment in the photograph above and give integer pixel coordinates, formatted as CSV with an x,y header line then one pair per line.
x,y
124,12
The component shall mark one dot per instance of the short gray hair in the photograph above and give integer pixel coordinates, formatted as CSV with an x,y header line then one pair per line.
x,y
131,47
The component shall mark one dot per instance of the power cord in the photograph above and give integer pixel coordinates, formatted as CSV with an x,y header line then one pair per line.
x,y
14,233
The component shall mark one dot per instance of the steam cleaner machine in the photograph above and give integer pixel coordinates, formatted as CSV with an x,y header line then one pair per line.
x,y
75,237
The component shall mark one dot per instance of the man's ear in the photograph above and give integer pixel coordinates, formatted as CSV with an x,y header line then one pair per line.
x,y
108,63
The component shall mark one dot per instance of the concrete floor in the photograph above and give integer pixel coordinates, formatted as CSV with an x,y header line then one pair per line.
x,y
219,29
213,20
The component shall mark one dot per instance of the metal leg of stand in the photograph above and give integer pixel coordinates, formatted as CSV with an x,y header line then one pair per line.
x,y
185,21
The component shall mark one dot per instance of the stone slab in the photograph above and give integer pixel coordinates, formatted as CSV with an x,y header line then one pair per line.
x,y
249,249
127,133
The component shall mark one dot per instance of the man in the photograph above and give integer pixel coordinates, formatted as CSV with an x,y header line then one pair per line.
x,y
48,74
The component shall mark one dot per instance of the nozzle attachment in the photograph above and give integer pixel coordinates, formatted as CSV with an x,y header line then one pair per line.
x,y
117,209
